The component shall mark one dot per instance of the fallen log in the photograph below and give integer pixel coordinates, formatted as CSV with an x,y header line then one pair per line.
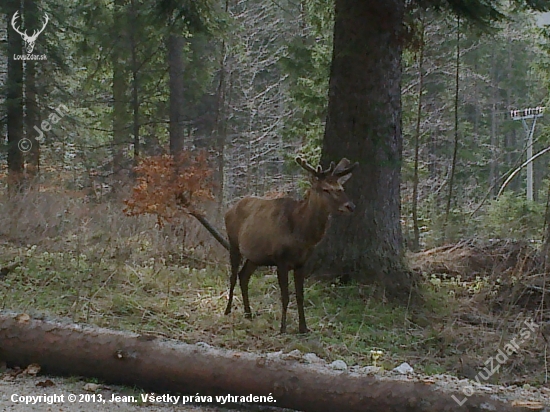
x,y
166,366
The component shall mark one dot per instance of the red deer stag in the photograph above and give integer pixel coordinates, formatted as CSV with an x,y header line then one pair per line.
x,y
283,232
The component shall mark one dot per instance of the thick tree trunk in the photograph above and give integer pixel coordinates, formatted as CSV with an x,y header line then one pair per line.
x,y
14,101
364,125
175,64
173,367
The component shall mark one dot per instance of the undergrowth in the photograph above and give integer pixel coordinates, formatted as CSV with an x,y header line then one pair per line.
x,y
187,303
89,263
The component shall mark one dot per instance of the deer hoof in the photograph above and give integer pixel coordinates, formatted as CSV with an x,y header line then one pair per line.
x,y
248,315
303,330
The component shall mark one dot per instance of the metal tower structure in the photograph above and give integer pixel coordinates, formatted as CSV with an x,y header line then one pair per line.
x,y
523,115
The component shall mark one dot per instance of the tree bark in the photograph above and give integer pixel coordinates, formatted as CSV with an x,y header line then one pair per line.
x,y
221,125
120,87
546,244
416,240
455,145
32,116
174,367
135,81
494,169
364,125
175,63
14,101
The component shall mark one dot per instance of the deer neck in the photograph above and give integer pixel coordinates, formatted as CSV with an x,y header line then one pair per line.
x,y
311,218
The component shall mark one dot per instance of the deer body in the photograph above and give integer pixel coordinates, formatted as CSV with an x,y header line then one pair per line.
x,y
292,236
283,233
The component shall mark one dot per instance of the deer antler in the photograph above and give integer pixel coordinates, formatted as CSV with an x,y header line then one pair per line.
x,y
343,167
303,162
13,22
317,172
37,32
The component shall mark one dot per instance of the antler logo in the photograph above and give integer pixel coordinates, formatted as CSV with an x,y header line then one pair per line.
x,y
29,40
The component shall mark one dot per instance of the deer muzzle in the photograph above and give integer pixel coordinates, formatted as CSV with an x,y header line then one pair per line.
x,y
347,207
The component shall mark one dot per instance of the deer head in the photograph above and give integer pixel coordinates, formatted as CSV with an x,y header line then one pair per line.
x,y
29,40
328,184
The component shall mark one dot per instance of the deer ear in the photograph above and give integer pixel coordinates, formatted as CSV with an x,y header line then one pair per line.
x,y
342,164
344,179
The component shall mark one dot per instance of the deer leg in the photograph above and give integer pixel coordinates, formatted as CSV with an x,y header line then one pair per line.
x,y
282,277
244,278
235,258
299,276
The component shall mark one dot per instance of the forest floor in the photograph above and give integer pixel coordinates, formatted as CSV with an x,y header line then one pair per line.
x,y
476,299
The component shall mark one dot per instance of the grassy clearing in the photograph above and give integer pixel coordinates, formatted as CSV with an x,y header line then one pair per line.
x,y
89,263
187,303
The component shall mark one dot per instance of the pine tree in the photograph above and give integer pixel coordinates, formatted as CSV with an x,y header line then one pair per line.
x,y
364,124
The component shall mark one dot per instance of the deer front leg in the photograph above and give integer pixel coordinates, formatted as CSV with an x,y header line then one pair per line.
x,y
235,258
299,275
282,276
244,278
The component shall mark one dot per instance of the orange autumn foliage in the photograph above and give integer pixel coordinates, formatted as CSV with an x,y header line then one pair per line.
x,y
168,187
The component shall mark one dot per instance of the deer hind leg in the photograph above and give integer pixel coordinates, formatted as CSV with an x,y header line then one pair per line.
x,y
282,277
244,278
235,257
299,275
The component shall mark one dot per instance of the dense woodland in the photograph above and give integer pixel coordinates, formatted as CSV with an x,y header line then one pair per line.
x,y
419,93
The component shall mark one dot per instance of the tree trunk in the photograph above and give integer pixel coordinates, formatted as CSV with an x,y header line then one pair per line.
x,y
14,102
135,82
178,368
455,146
32,117
120,86
221,125
416,240
175,63
546,244
493,170
364,125
513,160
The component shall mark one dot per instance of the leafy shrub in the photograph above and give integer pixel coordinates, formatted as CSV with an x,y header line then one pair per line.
x,y
169,188
513,217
